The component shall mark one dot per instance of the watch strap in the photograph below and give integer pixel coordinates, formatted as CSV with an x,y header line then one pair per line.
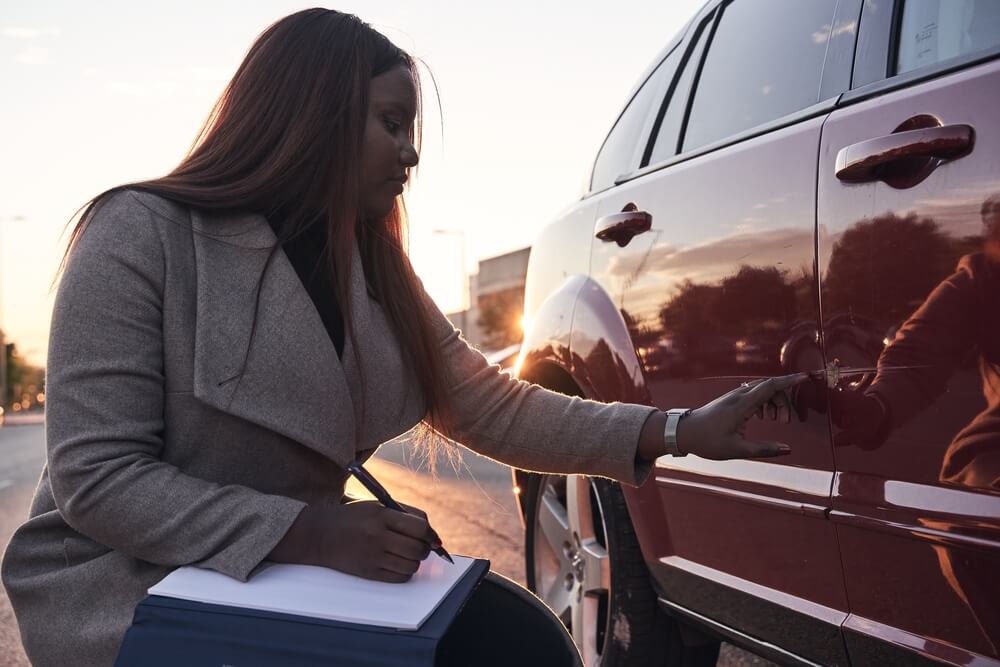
x,y
674,417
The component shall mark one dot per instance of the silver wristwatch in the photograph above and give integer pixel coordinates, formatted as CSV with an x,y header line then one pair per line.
x,y
670,431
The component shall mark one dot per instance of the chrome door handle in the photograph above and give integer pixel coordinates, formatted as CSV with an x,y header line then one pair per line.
x,y
621,227
903,159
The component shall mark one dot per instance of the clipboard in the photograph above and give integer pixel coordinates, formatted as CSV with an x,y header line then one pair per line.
x,y
166,632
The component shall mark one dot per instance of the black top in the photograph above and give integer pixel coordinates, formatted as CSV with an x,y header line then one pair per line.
x,y
305,252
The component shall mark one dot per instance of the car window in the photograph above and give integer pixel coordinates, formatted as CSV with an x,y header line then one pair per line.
x,y
935,30
621,150
765,61
670,127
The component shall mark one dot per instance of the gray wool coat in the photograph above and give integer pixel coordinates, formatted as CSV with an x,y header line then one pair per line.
x,y
161,454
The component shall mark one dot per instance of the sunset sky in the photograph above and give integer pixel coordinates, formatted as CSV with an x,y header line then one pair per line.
x,y
96,94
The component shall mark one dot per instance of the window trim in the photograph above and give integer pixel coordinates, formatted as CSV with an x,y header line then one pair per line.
x,y
838,64
712,13
818,109
679,39
878,52
689,104
920,75
895,26
772,124
706,23
671,47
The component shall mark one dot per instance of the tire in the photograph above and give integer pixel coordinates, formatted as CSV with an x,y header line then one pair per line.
x,y
582,558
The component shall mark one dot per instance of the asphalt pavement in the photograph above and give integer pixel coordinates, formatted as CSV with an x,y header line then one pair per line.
x,y
22,454
468,500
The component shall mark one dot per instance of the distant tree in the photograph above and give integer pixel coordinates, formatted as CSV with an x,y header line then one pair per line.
x,y
500,318
14,372
21,376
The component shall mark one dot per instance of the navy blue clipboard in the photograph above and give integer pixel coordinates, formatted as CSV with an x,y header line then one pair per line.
x,y
167,632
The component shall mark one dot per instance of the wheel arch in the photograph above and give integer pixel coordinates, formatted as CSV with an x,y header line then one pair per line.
x,y
578,343
545,358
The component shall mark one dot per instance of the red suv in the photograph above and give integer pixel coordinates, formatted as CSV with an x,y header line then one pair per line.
x,y
792,186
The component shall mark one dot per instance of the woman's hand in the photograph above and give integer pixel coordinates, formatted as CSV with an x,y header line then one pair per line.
x,y
362,538
717,430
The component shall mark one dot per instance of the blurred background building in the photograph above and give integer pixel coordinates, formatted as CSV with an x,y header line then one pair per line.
x,y
492,321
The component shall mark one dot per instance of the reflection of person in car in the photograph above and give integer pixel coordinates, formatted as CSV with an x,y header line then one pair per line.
x,y
959,319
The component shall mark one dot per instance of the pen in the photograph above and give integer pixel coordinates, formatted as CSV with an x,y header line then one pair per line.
x,y
383,497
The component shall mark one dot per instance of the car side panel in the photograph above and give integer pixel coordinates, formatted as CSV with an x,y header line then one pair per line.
x,y
722,290
917,498
560,251
547,340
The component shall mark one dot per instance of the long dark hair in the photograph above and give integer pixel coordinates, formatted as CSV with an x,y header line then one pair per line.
x,y
286,134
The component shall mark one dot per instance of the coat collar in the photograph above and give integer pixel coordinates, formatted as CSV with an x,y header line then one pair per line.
x,y
292,381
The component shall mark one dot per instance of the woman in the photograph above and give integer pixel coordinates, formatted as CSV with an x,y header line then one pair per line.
x,y
226,338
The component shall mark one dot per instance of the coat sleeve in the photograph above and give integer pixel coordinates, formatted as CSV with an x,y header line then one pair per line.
x,y
529,427
105,413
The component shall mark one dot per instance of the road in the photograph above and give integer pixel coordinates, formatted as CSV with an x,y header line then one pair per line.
x,y
22,453
470,505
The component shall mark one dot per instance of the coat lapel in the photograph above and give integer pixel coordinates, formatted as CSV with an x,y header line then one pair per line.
x,y
292,381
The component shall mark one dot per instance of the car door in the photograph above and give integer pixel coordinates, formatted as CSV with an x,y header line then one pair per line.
x,y
722,289
909,248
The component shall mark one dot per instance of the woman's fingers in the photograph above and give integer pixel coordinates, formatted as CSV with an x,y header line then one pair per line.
x,y
762,392
411,525
716,430
783,406
414,510
777,407
749,384
406,547
766,448
399,565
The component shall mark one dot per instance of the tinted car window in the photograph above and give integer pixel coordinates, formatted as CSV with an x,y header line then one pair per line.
x,y
765,61
621,151
670,126
935,30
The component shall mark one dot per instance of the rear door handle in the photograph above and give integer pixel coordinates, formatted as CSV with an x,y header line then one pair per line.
x,y
621,227
903,159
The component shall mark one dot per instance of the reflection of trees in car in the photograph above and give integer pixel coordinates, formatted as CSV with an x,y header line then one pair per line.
x,y
884,267
615,374
757,303
960,320
957,324
642,336
743,319
656,353
756,297
691,321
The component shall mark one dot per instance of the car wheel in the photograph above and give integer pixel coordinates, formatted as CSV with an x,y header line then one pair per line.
x,y
583,559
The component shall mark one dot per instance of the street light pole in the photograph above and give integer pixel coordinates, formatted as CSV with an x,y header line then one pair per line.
x,y
460,233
